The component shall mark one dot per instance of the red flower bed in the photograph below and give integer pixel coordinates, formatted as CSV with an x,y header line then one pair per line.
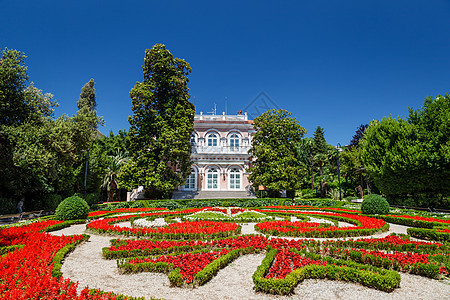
x,y
26,273
233,243
99,213
418,218
106,225
366,222
286,262
222,210
287,226
189,263
17,235
395,240
403,259
367,225
237,210
137,209
178,230
201,227
309,207
392,242
123,210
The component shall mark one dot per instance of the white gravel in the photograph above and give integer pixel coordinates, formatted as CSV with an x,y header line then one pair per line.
x,y
87,266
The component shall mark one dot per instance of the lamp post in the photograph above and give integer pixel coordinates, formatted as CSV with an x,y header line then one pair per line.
x,y
338,146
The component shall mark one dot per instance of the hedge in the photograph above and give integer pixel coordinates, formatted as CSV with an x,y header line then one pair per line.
x,y
198,203
429,234
61,254
407,221
380,279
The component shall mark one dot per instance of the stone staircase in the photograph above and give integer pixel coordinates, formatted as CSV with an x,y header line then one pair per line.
x,y
179,195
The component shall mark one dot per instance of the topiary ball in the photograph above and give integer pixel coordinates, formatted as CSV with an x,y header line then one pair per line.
x,y
72,208
374,205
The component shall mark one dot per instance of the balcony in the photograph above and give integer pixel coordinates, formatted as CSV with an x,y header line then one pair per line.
x,y
220,150
224,117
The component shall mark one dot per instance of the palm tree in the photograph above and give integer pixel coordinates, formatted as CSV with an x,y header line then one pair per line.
x,y
112,172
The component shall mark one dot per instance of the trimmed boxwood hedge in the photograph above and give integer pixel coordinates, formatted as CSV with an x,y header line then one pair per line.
x,y
72,208
199,203
429,234
336,269
375,205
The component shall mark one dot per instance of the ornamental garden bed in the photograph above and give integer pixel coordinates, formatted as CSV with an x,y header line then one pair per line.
x,y
191,253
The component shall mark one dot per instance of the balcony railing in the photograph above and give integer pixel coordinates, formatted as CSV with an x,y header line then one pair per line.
x,y
220,149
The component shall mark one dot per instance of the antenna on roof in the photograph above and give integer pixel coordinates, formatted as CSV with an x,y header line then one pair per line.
x,y
226,107
213,112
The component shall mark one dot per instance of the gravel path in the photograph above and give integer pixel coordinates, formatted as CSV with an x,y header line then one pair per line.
x,y
87,266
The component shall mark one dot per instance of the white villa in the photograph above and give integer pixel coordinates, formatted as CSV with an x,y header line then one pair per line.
x,y
220,145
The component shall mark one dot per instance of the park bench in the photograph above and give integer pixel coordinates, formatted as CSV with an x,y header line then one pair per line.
x,y
14,218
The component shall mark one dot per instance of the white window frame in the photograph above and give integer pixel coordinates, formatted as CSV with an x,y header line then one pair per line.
x,y
214,138
215,174
235,137
232,172
194,188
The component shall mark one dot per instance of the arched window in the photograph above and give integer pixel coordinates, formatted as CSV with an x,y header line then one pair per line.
x,y
212,177
235,177
234,142
212,140
191,181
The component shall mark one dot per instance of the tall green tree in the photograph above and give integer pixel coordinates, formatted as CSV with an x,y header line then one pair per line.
x,y
161,125
13,79
38,152
84,133
411,157
274,150
320,156
87,97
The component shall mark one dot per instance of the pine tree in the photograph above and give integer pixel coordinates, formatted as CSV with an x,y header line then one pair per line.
x,y
87,96
320,148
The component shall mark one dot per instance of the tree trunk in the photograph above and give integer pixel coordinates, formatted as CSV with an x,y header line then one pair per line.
x,y
111,191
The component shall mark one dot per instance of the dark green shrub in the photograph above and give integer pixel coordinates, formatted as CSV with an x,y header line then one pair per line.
x,y
136,204
51,201
374,205
306,191
72,208
8,206
171,205
122,204
309,196
92,198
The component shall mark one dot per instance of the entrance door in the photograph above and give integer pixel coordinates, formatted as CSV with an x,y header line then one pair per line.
x,y
235,179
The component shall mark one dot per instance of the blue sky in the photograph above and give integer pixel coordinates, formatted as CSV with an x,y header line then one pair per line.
x,y
336,64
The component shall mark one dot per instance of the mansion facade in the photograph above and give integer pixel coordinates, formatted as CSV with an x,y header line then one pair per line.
x,y
220,145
